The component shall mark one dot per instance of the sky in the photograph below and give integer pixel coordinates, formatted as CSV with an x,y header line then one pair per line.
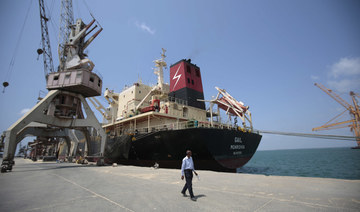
x,y
267,54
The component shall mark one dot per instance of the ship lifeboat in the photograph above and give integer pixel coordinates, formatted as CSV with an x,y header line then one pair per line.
x,y
230,107
155,106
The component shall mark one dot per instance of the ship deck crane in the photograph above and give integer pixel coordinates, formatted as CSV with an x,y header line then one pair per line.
x,y
353,109
232,107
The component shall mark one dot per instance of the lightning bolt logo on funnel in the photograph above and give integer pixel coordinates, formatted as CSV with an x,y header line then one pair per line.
x,y
177,77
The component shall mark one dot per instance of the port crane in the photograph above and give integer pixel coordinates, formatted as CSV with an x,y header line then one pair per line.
x,y
353,109
65,106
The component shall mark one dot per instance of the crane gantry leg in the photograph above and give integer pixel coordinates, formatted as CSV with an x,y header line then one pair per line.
x,y
48,112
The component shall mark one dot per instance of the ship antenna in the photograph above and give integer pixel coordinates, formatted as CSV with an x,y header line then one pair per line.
x,y
163,54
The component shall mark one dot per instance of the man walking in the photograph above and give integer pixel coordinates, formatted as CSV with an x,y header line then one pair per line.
x,y
187,169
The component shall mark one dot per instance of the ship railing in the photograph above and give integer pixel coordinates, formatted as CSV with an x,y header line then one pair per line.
x,y
95,71
187,125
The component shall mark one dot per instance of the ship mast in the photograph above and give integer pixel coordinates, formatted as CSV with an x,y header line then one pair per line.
x,y
160,64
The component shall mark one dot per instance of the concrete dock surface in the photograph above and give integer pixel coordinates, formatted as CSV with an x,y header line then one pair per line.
x,y
50,186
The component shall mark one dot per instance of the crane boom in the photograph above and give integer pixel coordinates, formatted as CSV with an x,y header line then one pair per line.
x,y
334,96
66,21
46,49
337,125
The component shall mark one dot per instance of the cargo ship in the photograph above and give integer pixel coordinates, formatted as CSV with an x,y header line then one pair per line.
x,y
155,125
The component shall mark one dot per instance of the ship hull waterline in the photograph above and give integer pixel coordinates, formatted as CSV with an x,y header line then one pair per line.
x,y
213,149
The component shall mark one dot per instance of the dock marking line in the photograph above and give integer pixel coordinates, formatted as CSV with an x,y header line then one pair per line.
x,y
261,207
93,192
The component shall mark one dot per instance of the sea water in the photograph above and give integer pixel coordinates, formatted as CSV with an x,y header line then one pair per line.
x,y
341,163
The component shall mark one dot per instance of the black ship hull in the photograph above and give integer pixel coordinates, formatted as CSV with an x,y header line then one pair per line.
x,y
213,149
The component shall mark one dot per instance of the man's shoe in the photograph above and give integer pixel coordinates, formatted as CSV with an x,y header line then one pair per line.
x,y
193,198
184,195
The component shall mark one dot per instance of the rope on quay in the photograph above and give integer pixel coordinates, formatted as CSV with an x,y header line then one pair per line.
x,y
309,135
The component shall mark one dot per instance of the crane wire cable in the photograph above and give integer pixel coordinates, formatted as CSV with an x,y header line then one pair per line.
x,y
310,135
12,61
53,23
336,117
87,7
78,9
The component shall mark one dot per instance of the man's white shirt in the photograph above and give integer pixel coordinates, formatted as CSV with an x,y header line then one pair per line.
x,y
187,163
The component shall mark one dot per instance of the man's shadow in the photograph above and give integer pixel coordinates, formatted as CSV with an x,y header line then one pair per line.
x,y
199,196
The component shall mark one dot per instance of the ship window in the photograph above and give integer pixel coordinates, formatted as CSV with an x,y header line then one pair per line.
x,y
197,72
56,77
185,112
192,82
91,79
139,91
188,69
67,75
188,80
99,83
78,74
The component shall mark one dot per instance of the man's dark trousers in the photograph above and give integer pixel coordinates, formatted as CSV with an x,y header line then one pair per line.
x,y
188,177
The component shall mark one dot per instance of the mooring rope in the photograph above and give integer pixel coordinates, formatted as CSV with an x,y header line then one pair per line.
x,y
310,135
